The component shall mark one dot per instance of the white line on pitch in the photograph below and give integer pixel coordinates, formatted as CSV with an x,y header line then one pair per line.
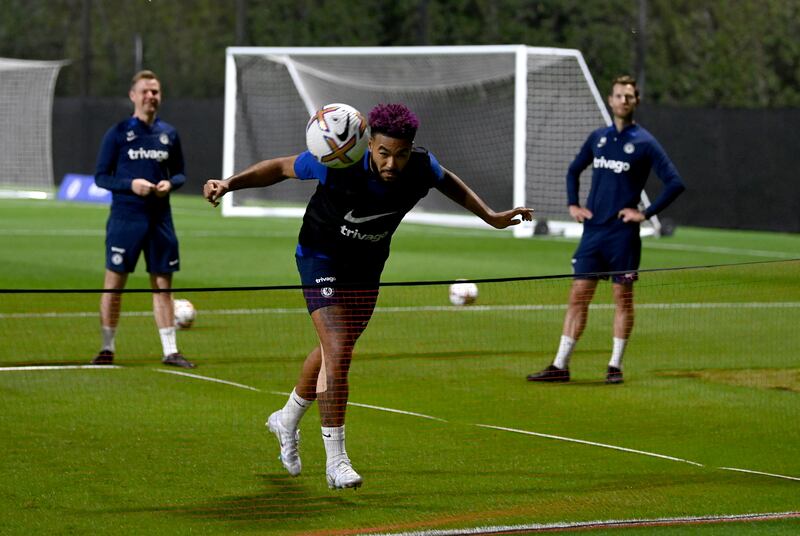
x,y
54,232
650,244
75,314
747,252
390,410
242,386
759,473
427,231
398,411
591,443
597,306
57,367
431,308
608,523
725,251
208,379
183,234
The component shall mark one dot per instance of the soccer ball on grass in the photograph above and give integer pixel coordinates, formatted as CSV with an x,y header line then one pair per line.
x,y
336,135
463,293
184,313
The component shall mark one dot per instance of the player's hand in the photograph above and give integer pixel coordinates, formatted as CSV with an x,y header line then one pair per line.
x,y
142,187
214,189
163,188
501,220
631,215
579,214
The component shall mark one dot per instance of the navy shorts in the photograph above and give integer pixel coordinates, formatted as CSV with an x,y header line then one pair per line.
x,y
333,282
612,248
127,238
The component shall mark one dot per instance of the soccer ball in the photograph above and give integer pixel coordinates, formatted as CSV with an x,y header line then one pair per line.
x,y
337,135
184,314
463,293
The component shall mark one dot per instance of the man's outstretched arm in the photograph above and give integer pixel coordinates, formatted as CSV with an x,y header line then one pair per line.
x,y
455,189
262,174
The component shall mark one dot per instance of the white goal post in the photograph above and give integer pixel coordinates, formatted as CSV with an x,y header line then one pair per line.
x,y
26,111
508,119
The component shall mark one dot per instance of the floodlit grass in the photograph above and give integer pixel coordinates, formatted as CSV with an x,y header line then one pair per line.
x,y
711,385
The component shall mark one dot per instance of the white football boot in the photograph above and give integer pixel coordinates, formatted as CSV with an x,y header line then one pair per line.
x,y
342,475
289,442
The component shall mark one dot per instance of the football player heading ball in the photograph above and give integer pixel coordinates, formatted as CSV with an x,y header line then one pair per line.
x,y
343,244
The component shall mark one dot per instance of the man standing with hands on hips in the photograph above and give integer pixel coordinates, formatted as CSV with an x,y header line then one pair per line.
x,y
621,156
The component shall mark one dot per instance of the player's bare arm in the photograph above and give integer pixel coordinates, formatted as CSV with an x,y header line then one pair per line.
x,y
262,174
579,213
454,188
631,215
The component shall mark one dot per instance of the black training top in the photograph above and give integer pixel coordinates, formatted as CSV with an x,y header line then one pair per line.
x,y
354,213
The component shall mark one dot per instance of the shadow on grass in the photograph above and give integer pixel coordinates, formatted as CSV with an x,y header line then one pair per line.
x,y
285,500
300,504
780,379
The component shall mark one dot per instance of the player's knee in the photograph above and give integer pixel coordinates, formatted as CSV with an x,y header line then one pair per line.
x,y
339,349
579,303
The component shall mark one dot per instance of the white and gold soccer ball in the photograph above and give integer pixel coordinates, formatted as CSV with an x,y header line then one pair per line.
x,y
337,135
185,313
463,293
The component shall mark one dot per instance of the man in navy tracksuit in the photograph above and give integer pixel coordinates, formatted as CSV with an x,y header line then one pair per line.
x,y
621,156
141,162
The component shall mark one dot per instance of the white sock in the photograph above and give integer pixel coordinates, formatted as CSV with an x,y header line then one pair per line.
x,y
564,352
294,410
108,338
616,353
168,342
333,438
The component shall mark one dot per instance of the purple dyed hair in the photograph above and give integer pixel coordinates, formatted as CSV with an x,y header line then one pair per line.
x,y
393,120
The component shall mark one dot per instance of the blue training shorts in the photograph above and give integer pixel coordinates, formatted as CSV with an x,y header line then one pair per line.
x,y
127,238
333,282
613,248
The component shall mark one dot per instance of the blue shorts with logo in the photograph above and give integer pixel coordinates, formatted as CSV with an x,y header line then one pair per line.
x,y
328,281
616,247
127,238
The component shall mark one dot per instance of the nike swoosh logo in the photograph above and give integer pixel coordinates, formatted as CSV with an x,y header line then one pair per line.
x,y
353,219
343,136
326,435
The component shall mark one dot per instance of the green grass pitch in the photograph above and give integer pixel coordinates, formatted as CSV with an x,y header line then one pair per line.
x,y
705,425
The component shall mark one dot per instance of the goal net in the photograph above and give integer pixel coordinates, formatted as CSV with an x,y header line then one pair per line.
x,y
507,119
26,106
